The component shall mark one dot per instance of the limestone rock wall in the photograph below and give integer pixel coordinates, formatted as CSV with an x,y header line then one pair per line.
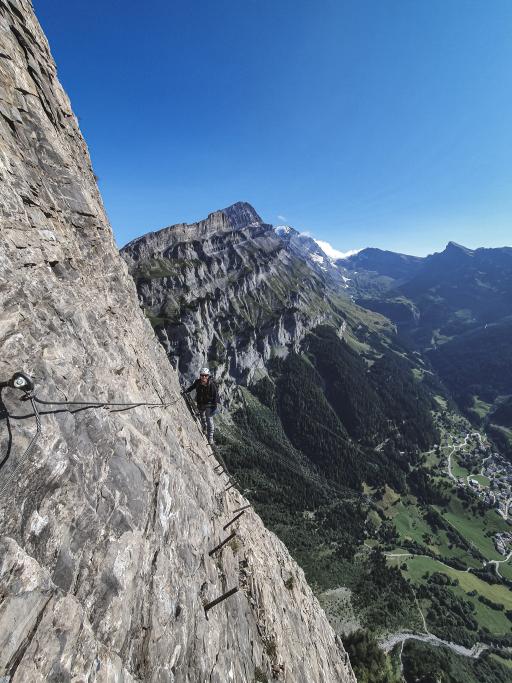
x,y
106,527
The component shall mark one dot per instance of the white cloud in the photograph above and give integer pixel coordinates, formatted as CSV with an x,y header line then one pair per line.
x,y
283,218
335,253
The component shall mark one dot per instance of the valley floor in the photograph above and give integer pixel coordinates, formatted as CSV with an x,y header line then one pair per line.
x,y
456,555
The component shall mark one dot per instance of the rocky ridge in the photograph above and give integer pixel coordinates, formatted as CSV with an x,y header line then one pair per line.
x,y
305,247
228,291
106,528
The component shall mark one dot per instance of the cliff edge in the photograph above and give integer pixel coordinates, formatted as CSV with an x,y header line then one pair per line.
x,y
107,523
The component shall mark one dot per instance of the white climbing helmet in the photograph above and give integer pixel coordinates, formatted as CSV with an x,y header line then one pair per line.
x,y
204,371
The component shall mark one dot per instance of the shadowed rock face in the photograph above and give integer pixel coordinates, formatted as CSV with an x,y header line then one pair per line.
x,y
227,291
106,527
396,267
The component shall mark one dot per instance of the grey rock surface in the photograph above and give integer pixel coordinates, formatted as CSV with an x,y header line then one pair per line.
x,y
107,523
305,247
228,292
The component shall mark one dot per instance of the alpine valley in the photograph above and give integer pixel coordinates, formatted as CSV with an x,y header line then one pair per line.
x,y
367,416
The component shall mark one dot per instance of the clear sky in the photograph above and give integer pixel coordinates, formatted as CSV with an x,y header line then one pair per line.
x,y
382,123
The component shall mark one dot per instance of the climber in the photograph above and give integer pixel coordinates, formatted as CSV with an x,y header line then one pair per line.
x,y
206,399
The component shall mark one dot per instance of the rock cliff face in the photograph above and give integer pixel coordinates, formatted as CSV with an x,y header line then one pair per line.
x,y
305,247
227,291
107,523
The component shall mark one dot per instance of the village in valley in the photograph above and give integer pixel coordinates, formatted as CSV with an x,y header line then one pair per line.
x,y
471,462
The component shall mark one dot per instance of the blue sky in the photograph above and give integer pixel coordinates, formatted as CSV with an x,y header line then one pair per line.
x,y
382,123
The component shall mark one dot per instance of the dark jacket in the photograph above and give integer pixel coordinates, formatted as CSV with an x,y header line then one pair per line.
x,y
206,394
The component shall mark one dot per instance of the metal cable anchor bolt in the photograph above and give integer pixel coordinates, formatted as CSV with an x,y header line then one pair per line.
x,y
19,381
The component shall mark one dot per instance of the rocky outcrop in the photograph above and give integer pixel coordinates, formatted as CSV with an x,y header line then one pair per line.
x,y
227,291
107,522
305,247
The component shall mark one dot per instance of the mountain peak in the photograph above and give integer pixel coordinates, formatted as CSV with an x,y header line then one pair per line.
x,y
241,214
459,248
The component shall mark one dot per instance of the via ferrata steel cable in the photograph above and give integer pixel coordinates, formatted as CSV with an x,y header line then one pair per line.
x,y
24,382
105,404
27,451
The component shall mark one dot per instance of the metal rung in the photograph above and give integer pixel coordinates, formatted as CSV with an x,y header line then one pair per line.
x,y
222,543
233,520
245,507
211,604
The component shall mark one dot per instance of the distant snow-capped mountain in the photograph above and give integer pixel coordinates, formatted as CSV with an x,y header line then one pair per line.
x,y
308,249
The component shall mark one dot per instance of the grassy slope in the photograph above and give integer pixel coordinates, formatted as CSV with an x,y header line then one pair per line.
x,y
475,527
506,570
493,620
410,524
417,566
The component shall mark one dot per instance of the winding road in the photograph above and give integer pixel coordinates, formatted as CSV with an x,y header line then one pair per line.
x,y
456,448
498,562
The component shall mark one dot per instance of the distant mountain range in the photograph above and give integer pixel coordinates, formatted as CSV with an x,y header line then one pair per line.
x,y
456,308
451,291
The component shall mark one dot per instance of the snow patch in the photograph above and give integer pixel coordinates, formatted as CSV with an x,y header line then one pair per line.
x,y
351,252
335,253
317,258
283,229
